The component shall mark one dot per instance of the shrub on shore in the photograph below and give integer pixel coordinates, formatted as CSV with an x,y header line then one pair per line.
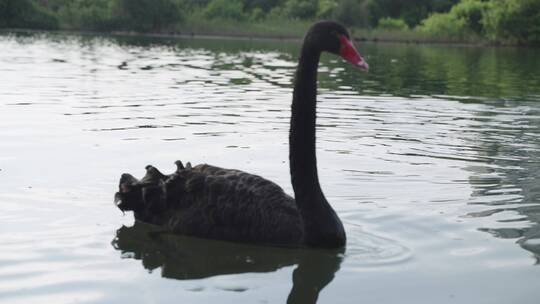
x,y
392,24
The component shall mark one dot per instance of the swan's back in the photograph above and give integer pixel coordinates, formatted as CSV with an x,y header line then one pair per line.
x,y
212,202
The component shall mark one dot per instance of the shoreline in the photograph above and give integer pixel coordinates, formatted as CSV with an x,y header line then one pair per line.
x,y
264,37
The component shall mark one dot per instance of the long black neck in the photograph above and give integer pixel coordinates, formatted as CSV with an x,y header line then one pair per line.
x,y
322,226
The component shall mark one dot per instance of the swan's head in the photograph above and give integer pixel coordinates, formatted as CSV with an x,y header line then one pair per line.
x,y
332,37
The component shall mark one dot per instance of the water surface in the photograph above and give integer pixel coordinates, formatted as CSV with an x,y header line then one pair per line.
x,y
431,159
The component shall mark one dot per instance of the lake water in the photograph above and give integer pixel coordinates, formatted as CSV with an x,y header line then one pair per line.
x,y
432,160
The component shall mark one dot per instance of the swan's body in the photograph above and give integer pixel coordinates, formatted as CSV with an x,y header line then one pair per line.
x,y
211,202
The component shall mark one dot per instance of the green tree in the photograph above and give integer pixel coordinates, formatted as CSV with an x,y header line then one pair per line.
x,y
392,24
465,18
352,13
472,11
265,5
84,14
25,14
145,15
301,9
445,25
326,8
517,20
411,11
225,9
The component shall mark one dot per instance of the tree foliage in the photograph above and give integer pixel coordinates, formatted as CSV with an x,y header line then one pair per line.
x,y
147,15
392,24
411,11
301,9
518,20
225,9
87,14
352,13
439,24
506,20
465,18
25,14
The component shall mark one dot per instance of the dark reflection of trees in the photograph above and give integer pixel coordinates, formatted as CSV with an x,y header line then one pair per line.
x,y
510,176
405,70
396,69
185,258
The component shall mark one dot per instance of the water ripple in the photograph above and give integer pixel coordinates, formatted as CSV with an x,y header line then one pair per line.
x,y
427,159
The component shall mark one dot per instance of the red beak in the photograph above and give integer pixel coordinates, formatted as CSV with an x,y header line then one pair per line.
x,y
349,53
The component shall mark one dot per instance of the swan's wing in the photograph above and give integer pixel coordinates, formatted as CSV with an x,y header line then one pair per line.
x,y
234,205
212,202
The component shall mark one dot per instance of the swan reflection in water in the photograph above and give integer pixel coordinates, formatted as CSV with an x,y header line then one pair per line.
x,y
187,258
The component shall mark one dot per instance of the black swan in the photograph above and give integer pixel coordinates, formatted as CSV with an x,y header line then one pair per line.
x,y
216,203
